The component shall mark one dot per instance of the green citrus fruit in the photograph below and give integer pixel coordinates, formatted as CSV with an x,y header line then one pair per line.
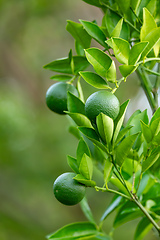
x,y
56,96
67,190
102,102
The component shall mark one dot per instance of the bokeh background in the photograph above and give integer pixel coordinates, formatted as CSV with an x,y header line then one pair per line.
x,y
34,141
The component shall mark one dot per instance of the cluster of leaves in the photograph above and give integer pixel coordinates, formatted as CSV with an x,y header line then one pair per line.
x,y
127,155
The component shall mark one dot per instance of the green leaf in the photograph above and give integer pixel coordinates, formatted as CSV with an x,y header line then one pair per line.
x,y
72,162
147,133
79,49
151,159
86,210
102,63
80,119
121,49
127,70
120,186
79,33
74,104
74,231
86,167
95,80
129,211
60,77
63,65
107,171
135,4
95,32
156,139
122,134
91,134
153,37
155,116
143,228
81,149
123,149
117,30
148,24
112,206
93,2
81,179
105,127
119,120
123,5
74,131
136,52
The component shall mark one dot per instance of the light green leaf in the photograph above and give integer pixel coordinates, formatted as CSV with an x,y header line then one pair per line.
x,y
72,162
102,63
105,127
95,32
148,24
107,171
93,2
80,119
95,80
117,30
121,49
143,228
136,52
60,77
86,210
78,33
123,149
155,116
122,133
153,37
79,49
74,231
127,70
81,149
74,104
120,186
147,133
151,159
86,167
156,139
81,179
155,126
119,120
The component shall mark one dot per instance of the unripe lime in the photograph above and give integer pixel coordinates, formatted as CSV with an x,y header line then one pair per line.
x,y
102,102
56,96
67,190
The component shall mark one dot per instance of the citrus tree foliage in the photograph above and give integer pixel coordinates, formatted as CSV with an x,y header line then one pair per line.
x,y
128,155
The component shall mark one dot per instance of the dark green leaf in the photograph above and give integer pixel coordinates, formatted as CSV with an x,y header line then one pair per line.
x,y
95,32
61,77
123,148
95,80
143,228
63,65
74,104
81,149
123,5
72,162
74,231
81,179
86,167
78,33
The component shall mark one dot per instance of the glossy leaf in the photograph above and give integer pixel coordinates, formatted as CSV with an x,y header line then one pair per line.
x,y
155,116
107,171
79,49
102,63
60,77
123,5
153,37
95,80
119,120
95,32
151,159
74,231
81,179
74,104
112,206
144,226
136,52
79,33
63,65
127,70
121,49
105,127
123,149
147,133
81,149
86,167
80,119
148,24
117,30
86,210
122,134
72,162
120,186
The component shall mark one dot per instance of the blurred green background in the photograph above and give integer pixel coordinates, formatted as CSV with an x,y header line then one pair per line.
x,y
34,141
